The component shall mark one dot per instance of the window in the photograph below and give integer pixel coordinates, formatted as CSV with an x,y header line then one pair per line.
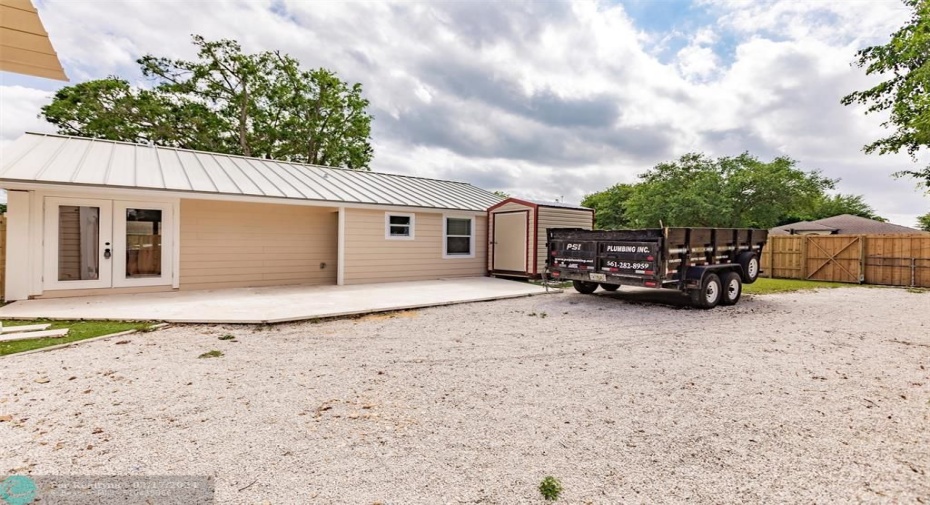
x,y
398,226
459,237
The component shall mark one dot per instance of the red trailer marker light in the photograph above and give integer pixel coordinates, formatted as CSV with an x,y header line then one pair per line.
x,y
649,284
555,274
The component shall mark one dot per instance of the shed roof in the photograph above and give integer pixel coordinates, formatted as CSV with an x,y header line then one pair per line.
x,y
539,203
56,159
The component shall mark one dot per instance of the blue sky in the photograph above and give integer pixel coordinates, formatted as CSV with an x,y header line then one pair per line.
x,y
539,99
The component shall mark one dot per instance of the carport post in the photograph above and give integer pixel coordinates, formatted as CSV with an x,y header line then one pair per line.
x,y
341,248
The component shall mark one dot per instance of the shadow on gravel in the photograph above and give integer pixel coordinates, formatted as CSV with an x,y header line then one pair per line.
x,y
670,297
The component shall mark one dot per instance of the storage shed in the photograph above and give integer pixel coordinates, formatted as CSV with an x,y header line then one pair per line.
x,y
517,234
92,216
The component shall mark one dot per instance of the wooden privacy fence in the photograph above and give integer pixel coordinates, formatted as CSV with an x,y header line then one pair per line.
x,y
2,254
892,260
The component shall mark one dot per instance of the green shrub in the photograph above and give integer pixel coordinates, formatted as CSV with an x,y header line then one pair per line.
x,y
550,488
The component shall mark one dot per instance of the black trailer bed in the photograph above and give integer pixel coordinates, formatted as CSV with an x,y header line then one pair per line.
x,y
656,257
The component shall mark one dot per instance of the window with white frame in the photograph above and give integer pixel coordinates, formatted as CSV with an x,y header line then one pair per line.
x,y
399,226
458,237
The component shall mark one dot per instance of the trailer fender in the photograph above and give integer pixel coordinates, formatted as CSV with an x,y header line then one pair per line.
x,y
694,276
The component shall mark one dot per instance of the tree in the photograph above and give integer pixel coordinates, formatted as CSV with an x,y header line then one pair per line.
x,y
906,94
261,105
610,206
923,222
2,208
737,191
502,194
835,205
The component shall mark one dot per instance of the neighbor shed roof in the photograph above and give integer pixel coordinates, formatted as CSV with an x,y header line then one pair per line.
x,y
55,159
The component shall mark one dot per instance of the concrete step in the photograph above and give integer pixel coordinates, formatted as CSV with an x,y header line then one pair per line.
x,y
29,335
25,327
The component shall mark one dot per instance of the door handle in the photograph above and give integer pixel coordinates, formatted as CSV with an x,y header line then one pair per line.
x,y
106,253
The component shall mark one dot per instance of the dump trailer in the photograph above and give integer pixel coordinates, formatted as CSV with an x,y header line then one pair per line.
x,y
710,264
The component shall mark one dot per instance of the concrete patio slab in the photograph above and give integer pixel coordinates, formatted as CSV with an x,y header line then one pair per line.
x,y
271,304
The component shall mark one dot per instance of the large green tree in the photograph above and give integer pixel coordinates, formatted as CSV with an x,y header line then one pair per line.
x,y
835,205
228,101
905,94
610,207
923,222
740,191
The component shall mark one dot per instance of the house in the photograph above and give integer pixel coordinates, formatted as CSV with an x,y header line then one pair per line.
x,y
94,216
845,224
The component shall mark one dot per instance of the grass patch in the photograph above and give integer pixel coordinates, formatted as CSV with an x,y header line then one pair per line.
x,y
550,488
765,286
78,330
211,354
227,337
918,291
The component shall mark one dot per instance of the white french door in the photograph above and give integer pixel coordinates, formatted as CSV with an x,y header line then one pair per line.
x,y
92,243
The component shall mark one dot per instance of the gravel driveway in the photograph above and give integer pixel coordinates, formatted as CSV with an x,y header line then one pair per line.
x,y
817,397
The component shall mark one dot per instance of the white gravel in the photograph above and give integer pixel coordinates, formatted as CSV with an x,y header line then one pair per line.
x,y
817,397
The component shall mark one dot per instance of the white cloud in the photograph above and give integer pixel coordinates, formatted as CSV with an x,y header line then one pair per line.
x,y
19,109
540,99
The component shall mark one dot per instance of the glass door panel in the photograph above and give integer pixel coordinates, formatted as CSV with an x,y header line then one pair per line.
x,y
143,243
78,236
142,234
78,243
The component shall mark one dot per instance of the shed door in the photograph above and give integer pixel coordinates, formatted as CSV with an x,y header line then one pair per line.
x,y
510,241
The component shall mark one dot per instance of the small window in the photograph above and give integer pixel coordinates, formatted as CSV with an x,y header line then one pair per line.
x,y
398,226
459,236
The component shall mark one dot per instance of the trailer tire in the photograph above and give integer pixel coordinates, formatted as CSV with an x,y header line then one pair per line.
x,y
610,287
710,293
732,288
584,287
749,261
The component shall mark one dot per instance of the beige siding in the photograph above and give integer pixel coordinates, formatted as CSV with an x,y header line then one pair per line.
x,y
235,244
553,217
369,257
510,207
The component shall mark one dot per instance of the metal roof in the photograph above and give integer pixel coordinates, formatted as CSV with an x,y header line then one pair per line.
x,y
24,44
56,159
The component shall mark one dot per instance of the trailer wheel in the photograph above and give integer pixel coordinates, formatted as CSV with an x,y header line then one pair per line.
x,y
610,287
583,287
732,288
750,263
710,293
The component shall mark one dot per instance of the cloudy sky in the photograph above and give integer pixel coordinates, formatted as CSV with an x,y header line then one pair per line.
x,y
541,99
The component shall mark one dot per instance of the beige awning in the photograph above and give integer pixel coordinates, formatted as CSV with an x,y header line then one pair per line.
x,y
24,44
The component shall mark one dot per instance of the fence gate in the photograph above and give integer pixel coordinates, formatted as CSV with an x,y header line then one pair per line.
x,y
835,258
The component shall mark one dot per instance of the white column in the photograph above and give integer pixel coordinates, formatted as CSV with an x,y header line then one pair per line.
x,y
341,248
19,250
